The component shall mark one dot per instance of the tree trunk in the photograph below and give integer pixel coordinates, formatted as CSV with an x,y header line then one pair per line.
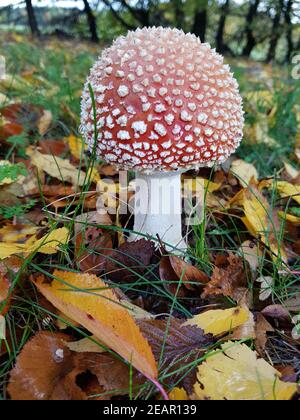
x,y
91,21
289,37
220,33
32,19
251,15
275,32
200,20
179,13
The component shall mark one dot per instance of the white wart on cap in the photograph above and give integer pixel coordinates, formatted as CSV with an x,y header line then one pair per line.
x,y
164,102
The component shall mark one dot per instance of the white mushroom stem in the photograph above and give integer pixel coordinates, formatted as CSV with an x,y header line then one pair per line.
x,y
158,208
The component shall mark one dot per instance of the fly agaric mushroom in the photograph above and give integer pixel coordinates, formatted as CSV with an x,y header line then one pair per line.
x,y
165,103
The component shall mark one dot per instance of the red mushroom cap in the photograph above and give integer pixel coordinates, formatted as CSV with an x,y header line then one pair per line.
x,y
164,102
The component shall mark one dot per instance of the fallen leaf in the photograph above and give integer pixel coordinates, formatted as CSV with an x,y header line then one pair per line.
x,y
266,287
39,365
237,374
47,370
17,233
57,167
76,146
85,345
219,321
178,394
252,254
262,327
129,260
276,311
4,294
293,303
287,190
44,122
174,346
289,217
48,244
89,301
244,172
191,276
229,280
259,219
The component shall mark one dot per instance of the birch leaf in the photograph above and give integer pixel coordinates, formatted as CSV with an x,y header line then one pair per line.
x,y
48,244
220,321
237,374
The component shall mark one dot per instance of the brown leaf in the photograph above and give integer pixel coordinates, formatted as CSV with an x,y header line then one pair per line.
x,y
47,370
262,326
131,256
228,280
277,312
187,273
43,360
175,345
169,278
4,294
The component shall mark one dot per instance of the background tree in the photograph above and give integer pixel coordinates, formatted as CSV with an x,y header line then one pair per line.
x,y
250,39
32,19
276,30
220,46
91,21
200,19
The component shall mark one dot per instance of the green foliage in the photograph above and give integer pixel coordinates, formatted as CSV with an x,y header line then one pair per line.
x,y
19,210
12,171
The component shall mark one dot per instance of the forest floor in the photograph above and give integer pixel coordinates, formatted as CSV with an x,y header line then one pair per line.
x,y
86,315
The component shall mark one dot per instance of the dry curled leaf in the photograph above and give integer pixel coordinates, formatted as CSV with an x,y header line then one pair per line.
x,y
262,327
173,270
88,300
235,373
230,279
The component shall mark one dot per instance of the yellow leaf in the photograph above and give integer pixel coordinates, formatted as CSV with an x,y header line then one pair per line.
x,y
16,233
76,146
289,217
237,374
178,394
291,170
49,244
288,190
56,167
259,218
87,299
219,321
244,171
